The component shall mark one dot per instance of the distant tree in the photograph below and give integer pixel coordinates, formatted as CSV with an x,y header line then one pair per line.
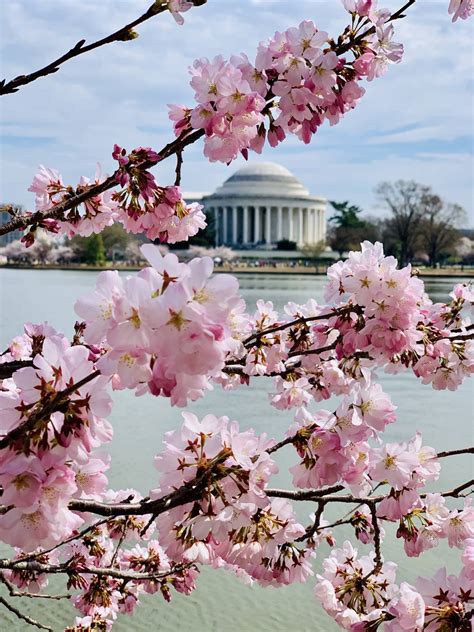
x,y
465,250
346,215
439,228
94,252
88,249
133,254
116,240
286,244
348,229
313,251
404,200
207,236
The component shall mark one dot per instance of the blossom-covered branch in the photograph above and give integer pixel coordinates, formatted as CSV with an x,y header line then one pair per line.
x,y
299,80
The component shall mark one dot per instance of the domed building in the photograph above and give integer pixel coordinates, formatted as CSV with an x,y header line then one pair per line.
x,y
263,203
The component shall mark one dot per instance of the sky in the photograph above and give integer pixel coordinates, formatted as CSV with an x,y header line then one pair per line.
x,y
416,122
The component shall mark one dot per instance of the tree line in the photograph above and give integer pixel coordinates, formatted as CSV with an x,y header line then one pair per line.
x,y
419,224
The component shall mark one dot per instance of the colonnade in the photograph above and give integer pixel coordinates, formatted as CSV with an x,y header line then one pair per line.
x,y
243,225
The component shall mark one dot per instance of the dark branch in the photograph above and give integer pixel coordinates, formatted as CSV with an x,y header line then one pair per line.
x,y
55,569
44,411
122,35
23,617
7,369
13,592
360,38
57,211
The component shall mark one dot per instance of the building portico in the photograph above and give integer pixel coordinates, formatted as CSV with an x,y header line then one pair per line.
x,y
263,203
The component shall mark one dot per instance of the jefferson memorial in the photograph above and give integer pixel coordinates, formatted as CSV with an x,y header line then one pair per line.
x,y
263,203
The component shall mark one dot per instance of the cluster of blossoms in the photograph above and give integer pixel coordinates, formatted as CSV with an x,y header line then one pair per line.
x,y
92,217
108,545
377,315
233,523
53,425
423,522
167,330
361,597
144,207
176,7
141,206
297,81
461,9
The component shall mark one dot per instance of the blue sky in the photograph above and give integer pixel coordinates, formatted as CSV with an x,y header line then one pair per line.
x,y
416,122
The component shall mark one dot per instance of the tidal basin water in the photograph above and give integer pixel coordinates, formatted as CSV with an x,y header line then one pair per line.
x,y
221,603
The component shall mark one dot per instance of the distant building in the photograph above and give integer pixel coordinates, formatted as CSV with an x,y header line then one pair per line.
x,y
9,237
263,203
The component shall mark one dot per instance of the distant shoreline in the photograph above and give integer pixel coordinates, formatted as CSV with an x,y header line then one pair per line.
x,y
285,270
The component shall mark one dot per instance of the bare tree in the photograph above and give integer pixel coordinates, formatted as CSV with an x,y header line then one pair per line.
x,y
404,199
439,227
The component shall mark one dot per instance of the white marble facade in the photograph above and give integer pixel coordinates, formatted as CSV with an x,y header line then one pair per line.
x,y
263,203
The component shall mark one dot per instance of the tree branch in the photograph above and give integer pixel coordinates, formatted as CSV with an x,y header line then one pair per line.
x,y
122,35
67,568
13,592
24,617
7,369
341,311
57,211
19,431
360,38
442,455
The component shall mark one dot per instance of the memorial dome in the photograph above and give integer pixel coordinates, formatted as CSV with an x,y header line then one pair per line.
x,y
263,179
263,203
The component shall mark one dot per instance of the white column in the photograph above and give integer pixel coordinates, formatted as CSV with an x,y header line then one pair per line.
x,y
225,225
215,211
246,225
234,225
257,224
268,226
280,224
320,223
290,224
300,225
313,237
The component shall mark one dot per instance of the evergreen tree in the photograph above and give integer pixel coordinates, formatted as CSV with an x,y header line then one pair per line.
x,y
94,251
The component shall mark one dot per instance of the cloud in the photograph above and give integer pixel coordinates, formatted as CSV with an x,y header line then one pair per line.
x,y
416,122
27,142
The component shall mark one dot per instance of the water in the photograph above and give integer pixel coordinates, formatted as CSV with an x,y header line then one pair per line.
x,y
221,603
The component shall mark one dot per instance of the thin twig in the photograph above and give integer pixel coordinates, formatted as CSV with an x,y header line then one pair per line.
x,y
68,569
125,33
120,542
50,407
446,453
315,526
13,592
179,164
360,38
24,617
375,524
302,320
77,536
